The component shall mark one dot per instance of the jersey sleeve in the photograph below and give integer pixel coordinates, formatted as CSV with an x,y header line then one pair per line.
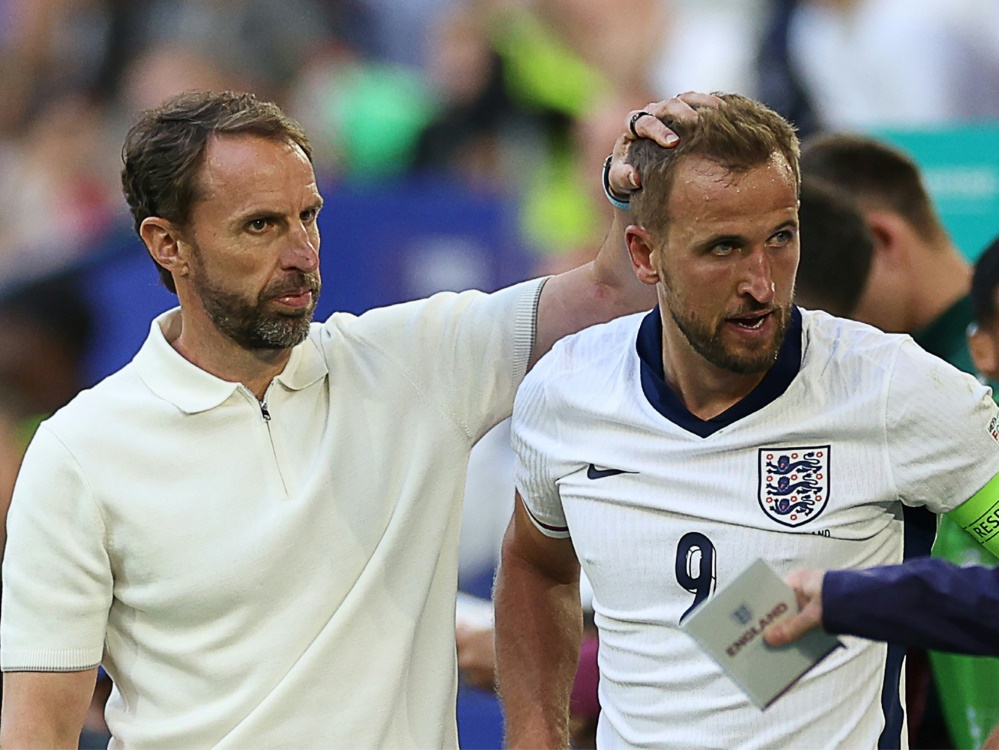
x,y
468,351
924,603
57,584
535,438
941,431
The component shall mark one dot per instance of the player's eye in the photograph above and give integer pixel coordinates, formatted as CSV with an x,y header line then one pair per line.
x,y
782,238
258,225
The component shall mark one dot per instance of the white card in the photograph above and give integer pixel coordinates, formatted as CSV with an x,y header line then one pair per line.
x,y
729,627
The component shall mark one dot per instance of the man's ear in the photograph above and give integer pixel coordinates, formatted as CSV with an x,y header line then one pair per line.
x,y
641,248
890,240
984,349
164,243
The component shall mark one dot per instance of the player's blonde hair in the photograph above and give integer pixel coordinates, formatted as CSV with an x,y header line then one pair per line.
x,y
739,134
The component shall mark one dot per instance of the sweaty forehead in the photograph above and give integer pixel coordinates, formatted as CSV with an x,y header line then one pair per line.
x,y
702,186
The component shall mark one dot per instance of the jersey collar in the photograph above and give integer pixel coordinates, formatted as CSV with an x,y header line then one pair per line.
x,y
649,345
191,389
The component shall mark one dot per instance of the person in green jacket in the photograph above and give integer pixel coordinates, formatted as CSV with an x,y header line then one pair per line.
x,y
918,283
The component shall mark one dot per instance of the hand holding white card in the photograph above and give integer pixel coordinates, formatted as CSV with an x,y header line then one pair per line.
x,y
729,627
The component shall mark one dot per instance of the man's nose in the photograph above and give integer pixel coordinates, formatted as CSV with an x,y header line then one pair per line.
x,y
302,252
758,279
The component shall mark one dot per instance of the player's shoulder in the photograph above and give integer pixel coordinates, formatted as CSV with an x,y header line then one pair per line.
x,y
597,342
832,341
580,363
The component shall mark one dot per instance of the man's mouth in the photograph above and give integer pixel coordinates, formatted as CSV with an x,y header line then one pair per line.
x,y
751,322
295,298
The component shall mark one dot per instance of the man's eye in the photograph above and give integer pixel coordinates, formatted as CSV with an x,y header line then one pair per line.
x,y
257,225
723,248
782,237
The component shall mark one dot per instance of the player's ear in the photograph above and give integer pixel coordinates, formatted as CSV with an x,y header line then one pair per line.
x,y
984,349
642,249
165,244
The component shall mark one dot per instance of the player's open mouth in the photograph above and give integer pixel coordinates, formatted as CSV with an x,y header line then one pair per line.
x,y
752,323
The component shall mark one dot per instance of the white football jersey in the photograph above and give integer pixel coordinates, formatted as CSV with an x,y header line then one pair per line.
x,y
810,469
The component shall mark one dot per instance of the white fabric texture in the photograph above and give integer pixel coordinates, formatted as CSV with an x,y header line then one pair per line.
x,y
890,424
281,582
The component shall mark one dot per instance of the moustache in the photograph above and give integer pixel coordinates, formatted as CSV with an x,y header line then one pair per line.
x,y
755,309
301,283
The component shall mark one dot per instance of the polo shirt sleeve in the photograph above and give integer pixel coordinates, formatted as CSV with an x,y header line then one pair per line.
x,y
535,436
466,351
57,584
941,431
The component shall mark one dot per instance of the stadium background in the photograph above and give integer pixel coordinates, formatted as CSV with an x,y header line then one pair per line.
x,y
458,142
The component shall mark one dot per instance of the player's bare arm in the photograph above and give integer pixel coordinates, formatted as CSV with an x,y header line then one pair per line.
x,y
45,709
607,288
538,632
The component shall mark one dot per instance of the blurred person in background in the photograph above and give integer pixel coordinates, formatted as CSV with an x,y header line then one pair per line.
x,y
59,195
514,81
46,327
710,45
918,283
836,250
867,63
983,335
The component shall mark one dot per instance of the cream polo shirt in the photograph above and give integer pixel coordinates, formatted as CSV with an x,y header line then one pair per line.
x,y
278,576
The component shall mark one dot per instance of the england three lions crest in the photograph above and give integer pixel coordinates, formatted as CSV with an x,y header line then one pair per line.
x,y
794,483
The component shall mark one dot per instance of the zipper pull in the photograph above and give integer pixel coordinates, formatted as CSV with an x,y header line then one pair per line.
x,y
265,412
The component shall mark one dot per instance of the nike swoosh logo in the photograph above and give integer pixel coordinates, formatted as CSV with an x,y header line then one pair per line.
x,y
594,473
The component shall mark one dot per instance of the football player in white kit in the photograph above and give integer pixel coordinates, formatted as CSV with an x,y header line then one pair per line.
x,y
665,451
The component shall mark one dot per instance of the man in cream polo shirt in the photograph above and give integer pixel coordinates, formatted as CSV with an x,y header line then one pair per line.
x,y
253,526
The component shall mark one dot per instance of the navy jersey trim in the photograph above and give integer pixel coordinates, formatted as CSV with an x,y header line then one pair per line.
x,y
649,346
891,703
542,524
919,526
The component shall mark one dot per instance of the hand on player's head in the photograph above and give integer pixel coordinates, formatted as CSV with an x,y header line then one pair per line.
x,y
624,178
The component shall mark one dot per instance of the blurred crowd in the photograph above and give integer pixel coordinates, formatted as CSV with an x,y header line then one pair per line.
x,y
522,98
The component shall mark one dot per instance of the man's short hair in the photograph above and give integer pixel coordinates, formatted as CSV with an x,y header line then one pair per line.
x,y
985,285
837,248
875,174
739,134
164,150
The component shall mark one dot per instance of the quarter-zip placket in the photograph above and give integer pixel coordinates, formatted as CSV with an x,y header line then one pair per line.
x,y
265,415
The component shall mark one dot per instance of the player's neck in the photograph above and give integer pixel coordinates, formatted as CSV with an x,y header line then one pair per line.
x,y
205,347
705,389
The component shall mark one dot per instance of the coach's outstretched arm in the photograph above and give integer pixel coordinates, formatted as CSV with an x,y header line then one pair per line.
x,y
924,603
607,288
539,626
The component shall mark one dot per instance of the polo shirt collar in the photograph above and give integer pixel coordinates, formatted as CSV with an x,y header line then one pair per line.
x,y
191,389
